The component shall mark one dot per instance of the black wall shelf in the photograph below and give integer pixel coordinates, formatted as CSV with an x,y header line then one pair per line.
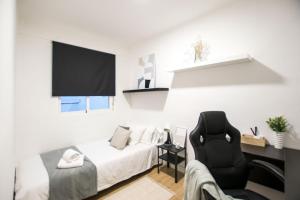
x,y
146,90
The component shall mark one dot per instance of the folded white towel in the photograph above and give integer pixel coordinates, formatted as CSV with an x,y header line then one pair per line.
x,y
71,155
78,162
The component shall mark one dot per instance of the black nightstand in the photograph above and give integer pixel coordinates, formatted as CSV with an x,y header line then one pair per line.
x,y
171,156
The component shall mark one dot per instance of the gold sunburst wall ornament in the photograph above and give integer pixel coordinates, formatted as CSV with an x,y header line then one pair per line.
x,y
196,51
198,47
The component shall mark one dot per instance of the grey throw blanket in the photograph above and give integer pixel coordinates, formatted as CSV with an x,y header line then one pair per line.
x,y
197,179
69,184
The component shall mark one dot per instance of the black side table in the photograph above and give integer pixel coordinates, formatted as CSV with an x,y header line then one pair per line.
x,y
171,156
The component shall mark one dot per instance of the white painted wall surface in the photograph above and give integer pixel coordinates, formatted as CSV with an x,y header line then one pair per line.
x,y
249,93
7,152
40,126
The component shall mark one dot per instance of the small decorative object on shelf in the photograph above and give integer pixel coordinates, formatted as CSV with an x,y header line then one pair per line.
x,y
147,72
167,129
279,126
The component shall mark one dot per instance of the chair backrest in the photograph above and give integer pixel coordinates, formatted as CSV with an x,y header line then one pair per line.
x,y
216,144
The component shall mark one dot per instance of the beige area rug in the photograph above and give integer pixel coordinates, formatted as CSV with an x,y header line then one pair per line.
x,y
143,189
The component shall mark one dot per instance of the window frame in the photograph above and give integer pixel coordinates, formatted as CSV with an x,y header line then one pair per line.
x,y
88,110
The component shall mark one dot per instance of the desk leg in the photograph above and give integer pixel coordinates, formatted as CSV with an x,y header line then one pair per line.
x,y
158,160
168,164
185,158
176,168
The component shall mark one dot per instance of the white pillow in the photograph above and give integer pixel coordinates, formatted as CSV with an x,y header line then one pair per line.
x,y
148,135
120,138
136,134
124,127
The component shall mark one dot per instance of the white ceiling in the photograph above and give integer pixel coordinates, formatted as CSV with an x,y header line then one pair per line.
x,y
128,21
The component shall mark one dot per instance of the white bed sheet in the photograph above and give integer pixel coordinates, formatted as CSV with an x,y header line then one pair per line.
x,y
112,165
115,165
32,182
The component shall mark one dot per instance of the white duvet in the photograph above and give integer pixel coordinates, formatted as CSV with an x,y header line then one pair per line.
x,y
113,166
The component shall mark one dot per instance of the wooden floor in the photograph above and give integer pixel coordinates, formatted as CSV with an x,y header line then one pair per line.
x,y
165,178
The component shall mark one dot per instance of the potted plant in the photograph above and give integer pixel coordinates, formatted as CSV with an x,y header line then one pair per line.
x,y
279,126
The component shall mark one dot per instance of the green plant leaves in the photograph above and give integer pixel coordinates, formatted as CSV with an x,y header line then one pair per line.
x,y
278,124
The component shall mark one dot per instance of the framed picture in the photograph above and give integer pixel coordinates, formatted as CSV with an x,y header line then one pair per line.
x,y
179,136
146,77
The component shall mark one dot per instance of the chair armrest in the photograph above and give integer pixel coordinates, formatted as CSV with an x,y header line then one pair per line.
x,y
276,171
208,196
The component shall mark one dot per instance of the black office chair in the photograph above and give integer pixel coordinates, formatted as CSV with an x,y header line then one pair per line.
x,y
216,144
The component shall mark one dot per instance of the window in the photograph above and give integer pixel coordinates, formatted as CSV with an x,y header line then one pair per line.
x,y
70,104
82,103
99,102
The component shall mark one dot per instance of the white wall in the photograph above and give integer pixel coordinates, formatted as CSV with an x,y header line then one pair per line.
x,y
7,152
249,93
40,126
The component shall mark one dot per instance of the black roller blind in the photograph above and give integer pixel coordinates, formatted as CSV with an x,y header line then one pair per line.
x,y
78,71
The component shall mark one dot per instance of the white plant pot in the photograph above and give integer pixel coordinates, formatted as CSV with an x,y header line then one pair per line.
x,y
278,140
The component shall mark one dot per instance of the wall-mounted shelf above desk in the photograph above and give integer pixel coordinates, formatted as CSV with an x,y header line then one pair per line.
x,y
214,63
146,90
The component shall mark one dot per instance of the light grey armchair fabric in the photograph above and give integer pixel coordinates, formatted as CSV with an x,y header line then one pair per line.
x,y
198,179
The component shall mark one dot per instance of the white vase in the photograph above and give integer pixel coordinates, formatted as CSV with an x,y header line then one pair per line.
x,y
278,140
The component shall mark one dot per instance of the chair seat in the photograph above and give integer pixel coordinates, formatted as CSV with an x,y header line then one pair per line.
x,y
245,194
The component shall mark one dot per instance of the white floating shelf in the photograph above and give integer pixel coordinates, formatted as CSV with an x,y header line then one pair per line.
x,y
214,63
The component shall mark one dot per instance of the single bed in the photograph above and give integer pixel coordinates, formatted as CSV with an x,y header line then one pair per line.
x,y
113,166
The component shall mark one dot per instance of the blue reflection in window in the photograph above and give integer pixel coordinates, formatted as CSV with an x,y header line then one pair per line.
x,y
73,103
99,102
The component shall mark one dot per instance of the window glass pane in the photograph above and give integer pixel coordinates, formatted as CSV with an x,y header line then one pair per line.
x,y
69,104
99,102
